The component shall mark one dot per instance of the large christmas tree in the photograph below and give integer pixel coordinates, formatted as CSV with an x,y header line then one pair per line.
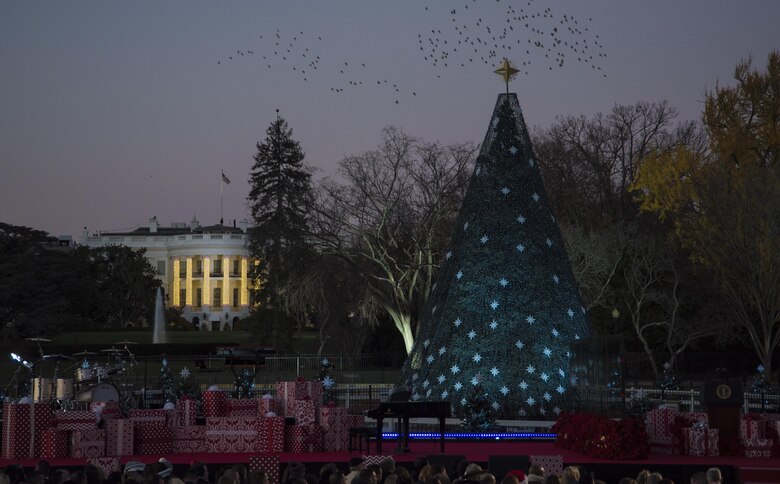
x,y
505,307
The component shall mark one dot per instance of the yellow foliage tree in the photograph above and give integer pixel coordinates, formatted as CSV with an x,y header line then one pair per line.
x,y
724,201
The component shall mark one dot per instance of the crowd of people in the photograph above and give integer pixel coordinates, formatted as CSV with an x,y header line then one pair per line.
x,y
357,472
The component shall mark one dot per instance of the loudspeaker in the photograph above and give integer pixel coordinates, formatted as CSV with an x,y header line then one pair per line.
x,y
499,465
449,461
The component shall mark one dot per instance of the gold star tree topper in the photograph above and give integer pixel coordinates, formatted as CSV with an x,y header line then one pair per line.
x,y
507,72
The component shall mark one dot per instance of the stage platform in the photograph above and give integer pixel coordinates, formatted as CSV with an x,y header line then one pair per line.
x,y
679,468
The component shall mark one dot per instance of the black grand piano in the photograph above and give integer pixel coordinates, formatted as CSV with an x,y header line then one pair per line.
x,y
404,409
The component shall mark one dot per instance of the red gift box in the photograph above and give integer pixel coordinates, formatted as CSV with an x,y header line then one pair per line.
x,y
270,434
108,464
76,420
267,463
552,464
701,441
214,403
305,412
658,422
335,429
157,415
88,443
231,434
287,392
23,424
303,438
752,426
54,443
153,438
189,440
120,438
185,408
758,447
242,408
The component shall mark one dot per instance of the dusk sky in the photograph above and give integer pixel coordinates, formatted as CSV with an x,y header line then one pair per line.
x,y
114,111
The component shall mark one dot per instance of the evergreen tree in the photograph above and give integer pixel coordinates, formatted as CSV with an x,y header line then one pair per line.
x,y
505,304
166,381
328,383
280,191
477,414
187,386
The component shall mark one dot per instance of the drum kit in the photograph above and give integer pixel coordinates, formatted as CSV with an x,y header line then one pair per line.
x,y
84,379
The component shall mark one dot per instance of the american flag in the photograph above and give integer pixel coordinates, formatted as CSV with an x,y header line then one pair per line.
x,y
225,179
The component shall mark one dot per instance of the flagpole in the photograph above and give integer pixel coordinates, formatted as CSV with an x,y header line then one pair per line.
x,y
221,185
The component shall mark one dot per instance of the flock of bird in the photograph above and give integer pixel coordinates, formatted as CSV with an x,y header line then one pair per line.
x,y
528,36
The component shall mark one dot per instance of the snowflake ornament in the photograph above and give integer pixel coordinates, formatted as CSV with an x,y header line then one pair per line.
x,y
530,401
530,369
536,197
457,322
458,386
503,282
521,219
496,406
493,304
477,358
520,248
494,371
484,239
472,334
547,352
442,350
459,275
184,373
328,382
530,319
523,385
454,369
513,150
519,344
505,191
504,390
426,343
441,379
493,324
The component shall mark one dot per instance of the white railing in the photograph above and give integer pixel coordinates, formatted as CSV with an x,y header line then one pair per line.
x,y
751,402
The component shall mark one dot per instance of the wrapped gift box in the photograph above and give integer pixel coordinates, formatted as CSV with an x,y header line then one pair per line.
x,y
107,464
356,421
305,412
190,439
752,426
54,443
267,463
552,464
267,404
287,392
153,438
270,434
303,438
231,434
158,415
663,445
243,407
335,430
76,420
215,403
120,437
658,422
758,447
185,409
23,424
701,441
88,443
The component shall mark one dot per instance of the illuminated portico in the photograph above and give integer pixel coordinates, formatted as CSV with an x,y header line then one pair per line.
x,y
203,270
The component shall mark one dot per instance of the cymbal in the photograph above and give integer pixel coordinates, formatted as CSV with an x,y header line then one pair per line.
x,y
112,350
126,342
57,357
84,353
39,339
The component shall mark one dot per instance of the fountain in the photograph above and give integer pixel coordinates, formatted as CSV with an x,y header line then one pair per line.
x,y
159,319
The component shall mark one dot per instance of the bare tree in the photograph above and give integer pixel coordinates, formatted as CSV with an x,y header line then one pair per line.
x,y
595,257
389,215
651,294
589,164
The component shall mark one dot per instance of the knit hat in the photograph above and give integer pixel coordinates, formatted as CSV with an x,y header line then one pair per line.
x,y
134,466
517,473
167,469
472,470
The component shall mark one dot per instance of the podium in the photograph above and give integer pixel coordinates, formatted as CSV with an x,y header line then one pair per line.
x,y
723,400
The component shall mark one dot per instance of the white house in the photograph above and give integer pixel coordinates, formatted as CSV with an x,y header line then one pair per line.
x,y
204,270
